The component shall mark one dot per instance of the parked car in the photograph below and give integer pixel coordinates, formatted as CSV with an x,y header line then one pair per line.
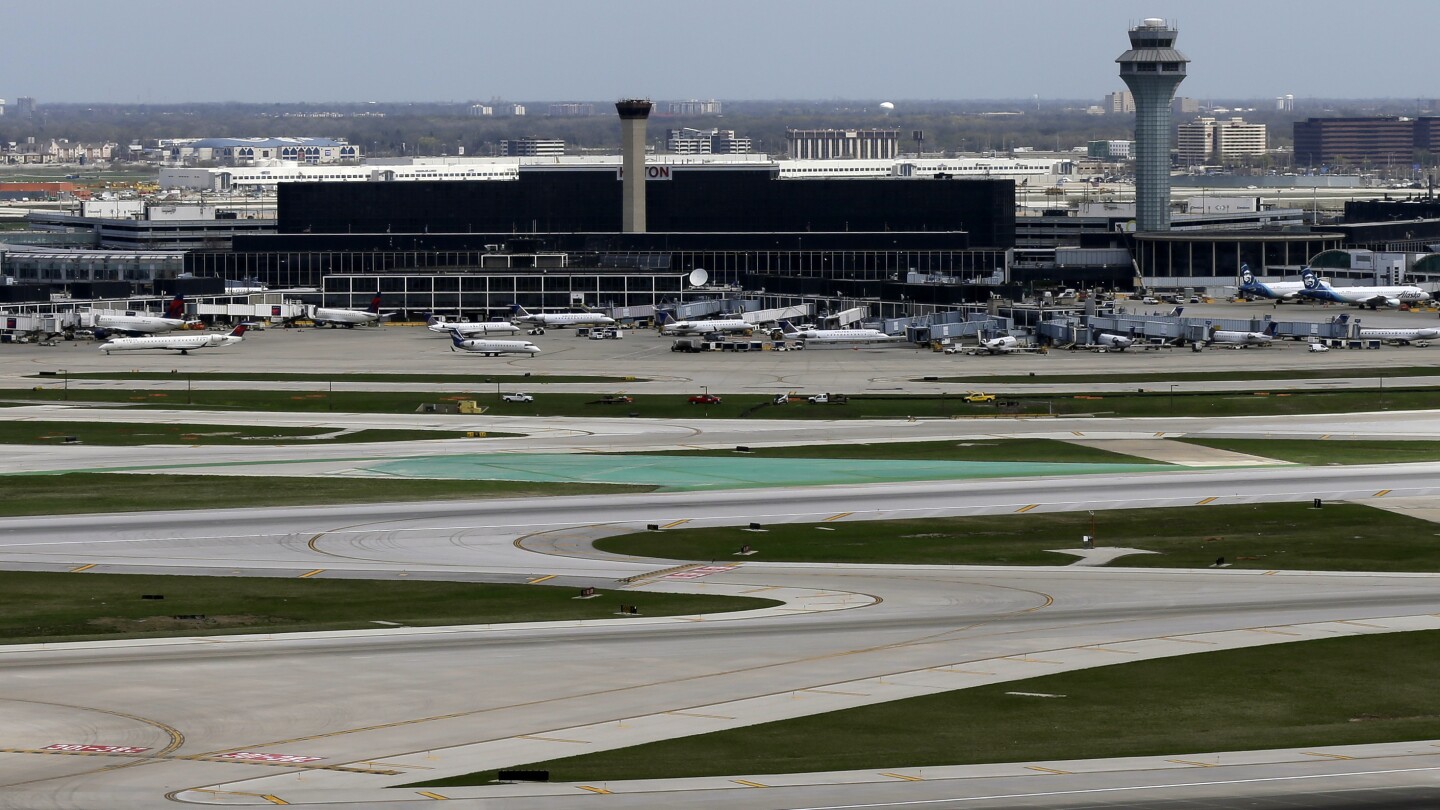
x,y
518,397
704,399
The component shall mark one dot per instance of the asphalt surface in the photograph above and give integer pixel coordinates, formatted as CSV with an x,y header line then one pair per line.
x,y
343,718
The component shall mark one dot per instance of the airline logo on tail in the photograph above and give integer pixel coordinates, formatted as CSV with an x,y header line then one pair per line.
x,y
176,308
1311,282
1247,279
374,307
457,340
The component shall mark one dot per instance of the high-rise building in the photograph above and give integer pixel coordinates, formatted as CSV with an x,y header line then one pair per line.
x,y
1109,150
1285,103
1120,102
1354,140
826,144
693,107
25,107
1152,69
572,109
687,141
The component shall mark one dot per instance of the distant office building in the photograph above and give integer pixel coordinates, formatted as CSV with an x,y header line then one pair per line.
x,y
1122,101
1285,103
1109,150
512,109
249,151
1152,69
25,107
2,107
1206,139
1184,106
693,107
481,110
1352,140
688,141
532,147
571,110
827,144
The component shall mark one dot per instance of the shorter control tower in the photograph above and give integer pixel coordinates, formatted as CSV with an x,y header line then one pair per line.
x,y
633,114
1152,69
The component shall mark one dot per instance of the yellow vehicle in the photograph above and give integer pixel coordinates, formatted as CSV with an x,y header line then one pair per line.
x,y
978,397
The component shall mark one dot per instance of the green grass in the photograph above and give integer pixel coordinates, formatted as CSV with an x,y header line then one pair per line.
x,y
79,607
1339,537
1150,403
1321,452
130,434
1365,373
970,450
1248,699
82,492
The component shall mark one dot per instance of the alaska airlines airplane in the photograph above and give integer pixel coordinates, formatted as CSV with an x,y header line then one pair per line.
x,y
492,348
132,323
348,318
670,326
175,343
1239,339
825,335
1372,297
1278,290
439,325
543,319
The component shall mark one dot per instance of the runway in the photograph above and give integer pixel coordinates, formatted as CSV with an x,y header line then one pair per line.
x,y
409,702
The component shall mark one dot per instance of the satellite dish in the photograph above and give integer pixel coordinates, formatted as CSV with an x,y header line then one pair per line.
x,y
698,277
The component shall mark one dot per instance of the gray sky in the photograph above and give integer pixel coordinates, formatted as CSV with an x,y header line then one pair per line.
x,y
160,51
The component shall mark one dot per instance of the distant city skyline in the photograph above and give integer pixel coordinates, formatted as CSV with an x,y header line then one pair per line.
x,y
168,51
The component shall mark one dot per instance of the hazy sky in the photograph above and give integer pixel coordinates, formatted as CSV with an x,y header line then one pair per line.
x,y
159,51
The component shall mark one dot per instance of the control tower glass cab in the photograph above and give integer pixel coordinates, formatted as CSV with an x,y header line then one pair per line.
x,y
1152,69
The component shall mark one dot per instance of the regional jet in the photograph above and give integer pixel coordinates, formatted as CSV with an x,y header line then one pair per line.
x,y
670,326
439,325
133,323
492,348
540,320
175,343
348,318
1402,337
788,330
1241,339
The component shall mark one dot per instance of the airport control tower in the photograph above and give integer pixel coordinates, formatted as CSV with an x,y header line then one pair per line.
x,y
1152,69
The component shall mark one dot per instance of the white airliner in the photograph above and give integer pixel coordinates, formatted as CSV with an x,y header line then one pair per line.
x,y
1112,343
1372,297
175,343
670,326
1403,337
1278,290
552,319
492,348
1239,339
439,325
827,335
133,323
348,318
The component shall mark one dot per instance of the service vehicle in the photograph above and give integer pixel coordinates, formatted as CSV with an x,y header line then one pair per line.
x,y
518,397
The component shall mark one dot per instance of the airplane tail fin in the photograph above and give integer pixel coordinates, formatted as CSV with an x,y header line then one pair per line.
x,y
1342,319
1273,329
374,307
176,308
1175,313
238,331
788,328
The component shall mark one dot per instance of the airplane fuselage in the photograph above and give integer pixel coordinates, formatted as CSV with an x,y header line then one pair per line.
x,y
475,328
175,343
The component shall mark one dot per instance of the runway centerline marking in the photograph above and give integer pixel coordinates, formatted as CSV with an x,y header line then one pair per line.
x,y
85,567
1382,493
1026,508
748,783
837,517
672,524
436,796
902,776
542,579
1204,501
309,574
593,789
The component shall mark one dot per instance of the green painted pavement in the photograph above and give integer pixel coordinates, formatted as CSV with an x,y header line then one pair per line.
x,y
703,472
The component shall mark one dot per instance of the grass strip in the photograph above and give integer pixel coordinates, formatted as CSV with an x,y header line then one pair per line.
x,y
1039,378
38,607
870,406
1232,700
1271,536
82,493
1322,452
126,434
